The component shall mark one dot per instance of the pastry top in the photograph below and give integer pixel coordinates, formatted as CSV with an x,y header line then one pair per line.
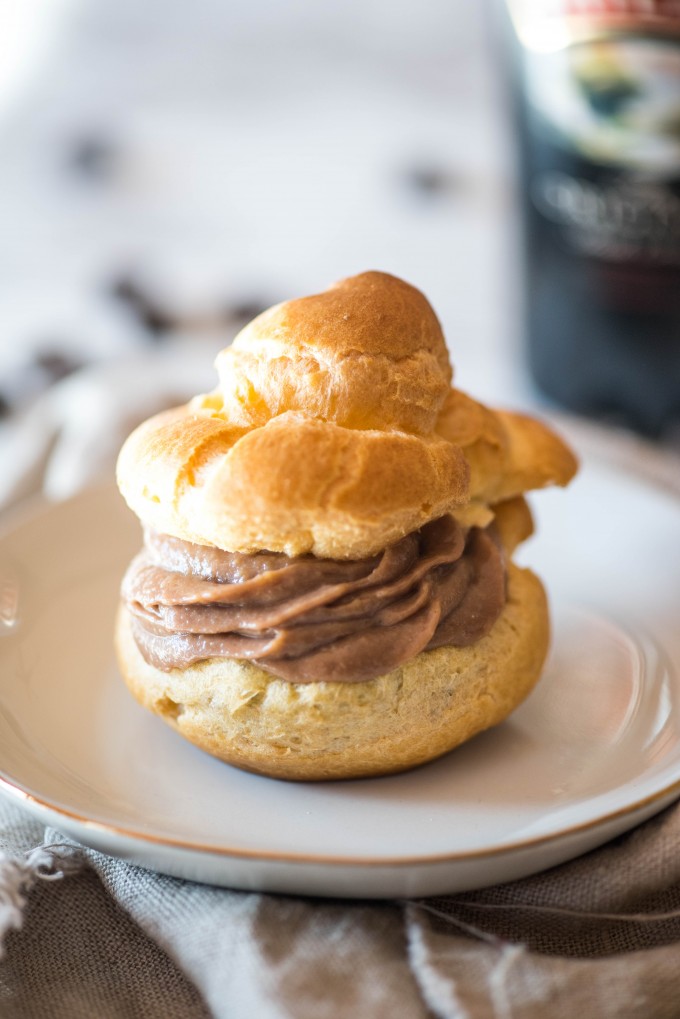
x,y
295,485
333,431
368,353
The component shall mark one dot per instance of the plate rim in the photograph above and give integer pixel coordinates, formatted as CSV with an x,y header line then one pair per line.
x,y
16,791
668,792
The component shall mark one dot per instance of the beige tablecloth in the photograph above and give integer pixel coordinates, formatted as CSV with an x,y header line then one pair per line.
x,y
596,937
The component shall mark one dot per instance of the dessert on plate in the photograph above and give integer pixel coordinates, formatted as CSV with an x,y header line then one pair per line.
x,y
326,587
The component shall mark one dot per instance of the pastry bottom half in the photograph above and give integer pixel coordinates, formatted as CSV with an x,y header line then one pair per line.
x,y
319,731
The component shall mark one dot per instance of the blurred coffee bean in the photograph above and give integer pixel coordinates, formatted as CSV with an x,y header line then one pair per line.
x,y
27,380
155,318
431,181
94,156
56,364
160,320
245,310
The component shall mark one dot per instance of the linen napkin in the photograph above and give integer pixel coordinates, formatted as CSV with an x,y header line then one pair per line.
x,y
84,934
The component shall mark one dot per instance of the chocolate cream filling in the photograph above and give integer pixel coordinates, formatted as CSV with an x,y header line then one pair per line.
x,y
306,619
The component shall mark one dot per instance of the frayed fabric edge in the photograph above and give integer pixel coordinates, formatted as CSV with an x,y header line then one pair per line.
x,y
18,875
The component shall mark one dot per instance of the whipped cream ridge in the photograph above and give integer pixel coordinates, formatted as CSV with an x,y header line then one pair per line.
x,y
306,619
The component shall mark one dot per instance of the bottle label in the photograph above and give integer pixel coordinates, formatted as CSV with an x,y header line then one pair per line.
x,y
603,127
615,101
598,90
617,220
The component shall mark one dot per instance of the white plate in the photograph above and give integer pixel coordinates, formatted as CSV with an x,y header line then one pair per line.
x,y
594,751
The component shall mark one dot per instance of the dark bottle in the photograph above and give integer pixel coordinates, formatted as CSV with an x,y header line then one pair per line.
x,y
597,85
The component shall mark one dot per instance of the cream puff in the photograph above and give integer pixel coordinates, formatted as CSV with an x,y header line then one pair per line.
x,y
326,587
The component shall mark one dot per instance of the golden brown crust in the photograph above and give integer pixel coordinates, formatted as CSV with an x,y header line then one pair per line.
x,y
316,731
333,431
296,485
508,453
320,437
367,353
536,457
513,522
